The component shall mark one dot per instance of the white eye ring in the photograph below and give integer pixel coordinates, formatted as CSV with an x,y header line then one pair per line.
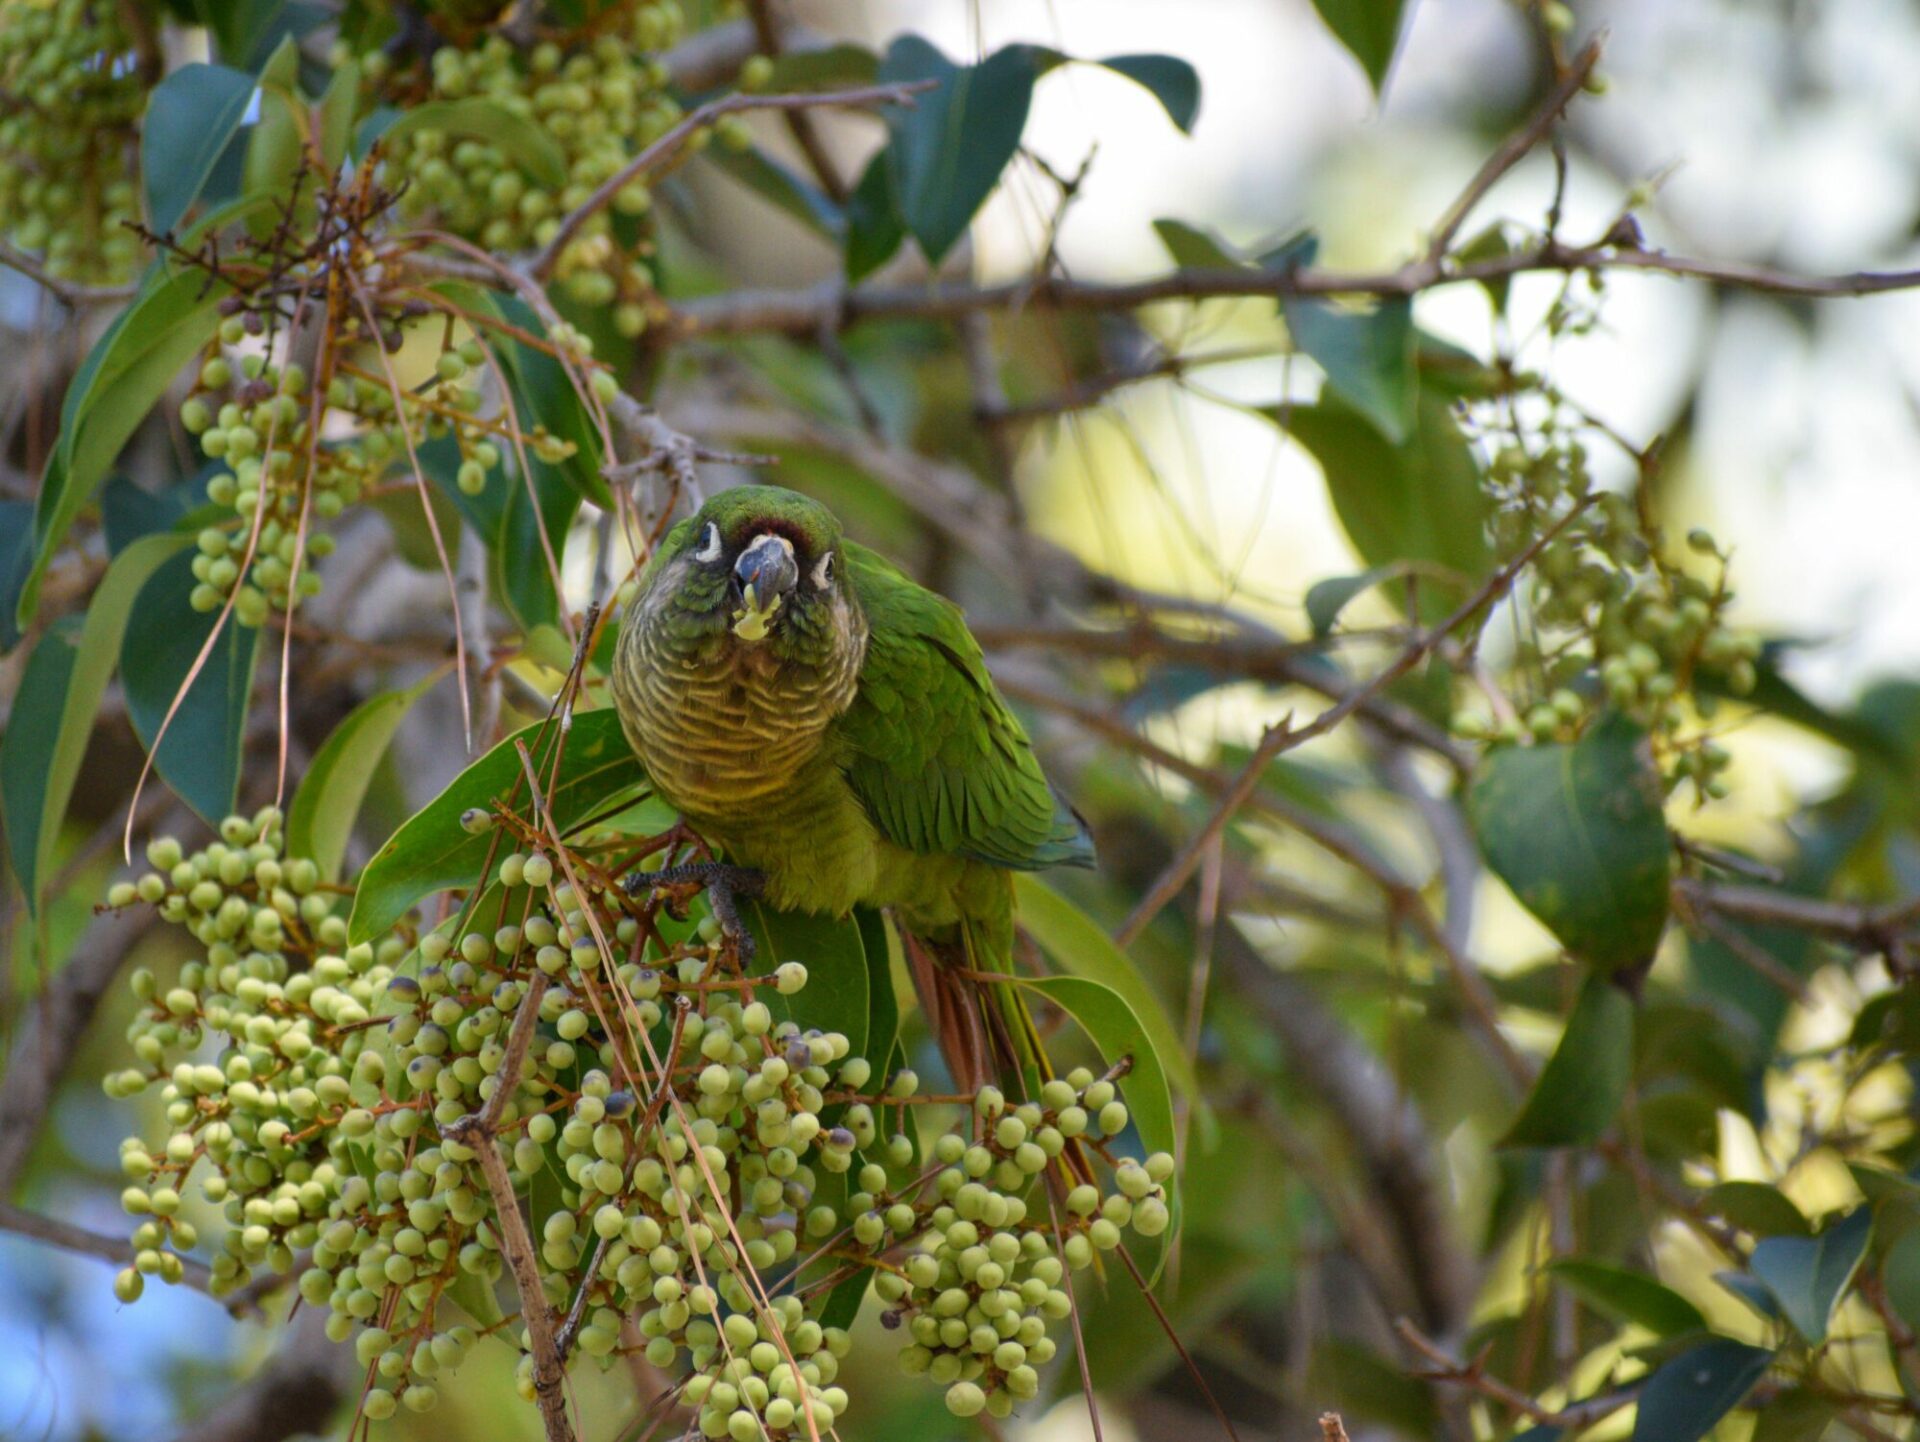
x,y
823,572
709,552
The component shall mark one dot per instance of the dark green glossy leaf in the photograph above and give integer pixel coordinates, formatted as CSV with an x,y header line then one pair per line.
x,y
782,187
432,851
1193,248
1629,1296
1367,355
948,149
1327,599
1808,1274
1104,1015
33,731
835,997
527,146
874,231
53,715
1757,1208
1173,82
126,372
1370,29
321,818
1080,945
199,756
1686,1397
1577,831
1753,1292
191,116
878,944
1900,1275
16,561
1585,1080
1421,502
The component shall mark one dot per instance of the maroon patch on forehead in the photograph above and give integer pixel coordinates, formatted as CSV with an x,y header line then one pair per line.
x,y
745,529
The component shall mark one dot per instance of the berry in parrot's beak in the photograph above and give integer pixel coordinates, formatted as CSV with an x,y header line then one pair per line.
x,y
767,572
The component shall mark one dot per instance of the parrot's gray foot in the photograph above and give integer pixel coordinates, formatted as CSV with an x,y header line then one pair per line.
x,y
724,884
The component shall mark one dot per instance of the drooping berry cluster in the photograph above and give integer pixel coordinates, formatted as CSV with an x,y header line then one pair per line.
x,y
1613,618
71,94
597,95
678,1132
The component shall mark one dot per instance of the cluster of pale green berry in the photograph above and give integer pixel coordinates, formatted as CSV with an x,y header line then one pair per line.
x,y
986,1279
258,417
1613,620
71,95
326,1092
599,97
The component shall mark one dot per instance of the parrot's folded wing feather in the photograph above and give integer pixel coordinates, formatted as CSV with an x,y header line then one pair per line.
x,y
929,746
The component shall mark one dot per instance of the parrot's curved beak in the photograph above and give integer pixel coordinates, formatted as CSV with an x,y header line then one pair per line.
x,y
766,572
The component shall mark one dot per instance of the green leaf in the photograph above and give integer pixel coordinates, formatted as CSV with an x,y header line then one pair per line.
x,y
526,145
1578,832
1585,1080
321,818
1113,1026
127,371
199,757
1753,1292
16,560
874,231
1419,502
191,116
1900,1275
1796,1415
1193,248
543,392
1757,1208
1367,355
53,714
832,67
1808,1274
1078,943
835,997
1173,82
474,1295
1370,29
33,730
878,944
432,851
336,113
787,191
1686,1397
1327,599
949,147
1629,1296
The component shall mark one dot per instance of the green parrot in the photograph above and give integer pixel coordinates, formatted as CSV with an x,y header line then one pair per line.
x,y
831,727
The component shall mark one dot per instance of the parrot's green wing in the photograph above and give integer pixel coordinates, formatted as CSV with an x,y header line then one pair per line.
x,y
929,746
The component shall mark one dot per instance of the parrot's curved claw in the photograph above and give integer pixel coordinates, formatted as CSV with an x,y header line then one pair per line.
x,y
724,886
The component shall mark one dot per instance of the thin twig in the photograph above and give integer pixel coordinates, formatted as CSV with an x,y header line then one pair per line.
x,y
1284,736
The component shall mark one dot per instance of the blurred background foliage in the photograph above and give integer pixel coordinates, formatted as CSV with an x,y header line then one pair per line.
x,y
1557,1083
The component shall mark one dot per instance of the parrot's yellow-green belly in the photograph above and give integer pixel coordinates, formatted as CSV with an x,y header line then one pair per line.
x,y
749,763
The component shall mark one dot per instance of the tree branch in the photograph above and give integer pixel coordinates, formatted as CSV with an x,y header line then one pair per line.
x,y
802,313
64,1010
295,1393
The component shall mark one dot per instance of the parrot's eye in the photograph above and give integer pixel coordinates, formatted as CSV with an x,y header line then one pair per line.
x,y
709,552
823,572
